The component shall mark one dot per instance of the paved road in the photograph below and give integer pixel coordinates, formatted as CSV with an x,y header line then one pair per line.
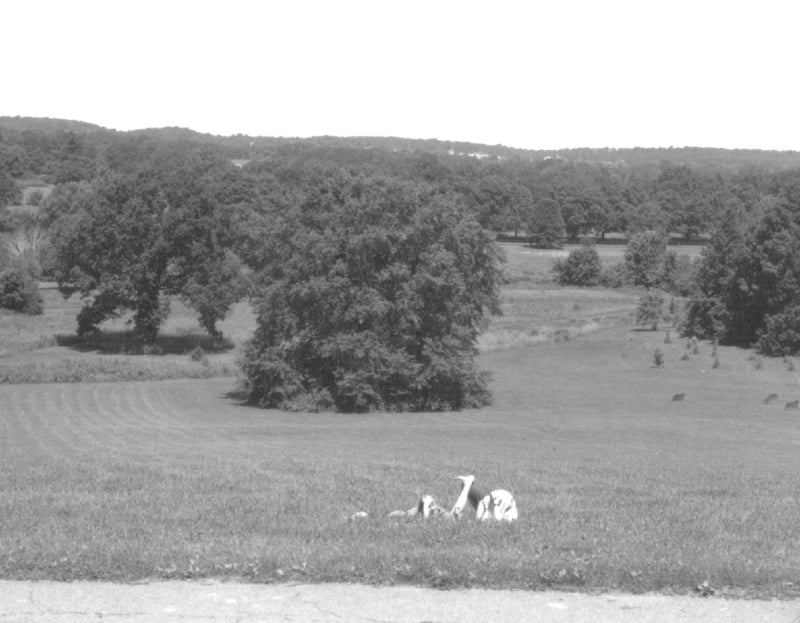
x,y
169,602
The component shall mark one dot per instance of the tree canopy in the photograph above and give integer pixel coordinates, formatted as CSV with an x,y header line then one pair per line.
x,y
128,240
372,296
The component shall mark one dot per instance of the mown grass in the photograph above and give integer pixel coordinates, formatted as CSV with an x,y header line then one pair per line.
x,y
618,486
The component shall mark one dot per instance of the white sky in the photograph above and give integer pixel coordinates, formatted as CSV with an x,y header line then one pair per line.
x,y
538,74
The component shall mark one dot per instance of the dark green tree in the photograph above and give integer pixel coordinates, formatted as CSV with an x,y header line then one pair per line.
x,y
126,245
372,295
9,191
19,292
751,269
644,257
545,225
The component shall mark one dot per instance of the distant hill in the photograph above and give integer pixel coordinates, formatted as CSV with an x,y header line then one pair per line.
x,y
252,147
46,124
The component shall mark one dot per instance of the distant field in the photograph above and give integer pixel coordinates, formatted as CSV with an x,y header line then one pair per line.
x,y
44,348
527,263
535,310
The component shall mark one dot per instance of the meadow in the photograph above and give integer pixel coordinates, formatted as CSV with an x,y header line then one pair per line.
x,y
618,486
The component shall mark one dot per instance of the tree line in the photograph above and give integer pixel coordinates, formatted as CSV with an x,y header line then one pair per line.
x,y
548,195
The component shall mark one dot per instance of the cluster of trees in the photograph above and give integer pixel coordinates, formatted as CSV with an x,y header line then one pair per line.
x,y
547,195
370,261
371,289
743,290
749,277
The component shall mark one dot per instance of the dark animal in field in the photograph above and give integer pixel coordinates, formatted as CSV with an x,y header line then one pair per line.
x,y
771,398
678,397
792,404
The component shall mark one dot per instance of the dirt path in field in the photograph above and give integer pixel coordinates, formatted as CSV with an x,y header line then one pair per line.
x,y
79,602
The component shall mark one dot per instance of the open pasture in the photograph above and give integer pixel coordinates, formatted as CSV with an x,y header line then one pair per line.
x,y
617,485
524,263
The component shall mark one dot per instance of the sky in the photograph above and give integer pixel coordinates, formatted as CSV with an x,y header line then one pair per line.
x,y
538,74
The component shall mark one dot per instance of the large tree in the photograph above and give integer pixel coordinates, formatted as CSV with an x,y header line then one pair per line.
x,y
749,275
545,224
372,295
132,240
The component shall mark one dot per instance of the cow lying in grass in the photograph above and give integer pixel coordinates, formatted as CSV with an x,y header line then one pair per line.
x,y
498,505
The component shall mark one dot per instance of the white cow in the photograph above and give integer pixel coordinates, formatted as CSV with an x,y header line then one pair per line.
x,y
498,504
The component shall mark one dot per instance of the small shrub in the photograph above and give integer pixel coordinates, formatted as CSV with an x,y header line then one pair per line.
x,y
152,349
35,197
20,293
613,276
658,358
581,268
199,355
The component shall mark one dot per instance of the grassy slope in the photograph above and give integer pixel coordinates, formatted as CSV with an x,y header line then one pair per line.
x,y
617,485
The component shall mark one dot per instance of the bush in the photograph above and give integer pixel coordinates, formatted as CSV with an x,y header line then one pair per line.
x,y
658,357
20,293
613,276
703,319
35,197
781,333
581,268
649,310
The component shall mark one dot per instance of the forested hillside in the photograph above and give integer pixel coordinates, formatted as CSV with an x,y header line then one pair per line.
x,y
512,191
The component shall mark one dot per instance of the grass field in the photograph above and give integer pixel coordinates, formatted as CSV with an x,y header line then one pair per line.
x,y
42,349
617,485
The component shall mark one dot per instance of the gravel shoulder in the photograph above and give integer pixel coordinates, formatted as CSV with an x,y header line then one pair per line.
x,y
79,602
